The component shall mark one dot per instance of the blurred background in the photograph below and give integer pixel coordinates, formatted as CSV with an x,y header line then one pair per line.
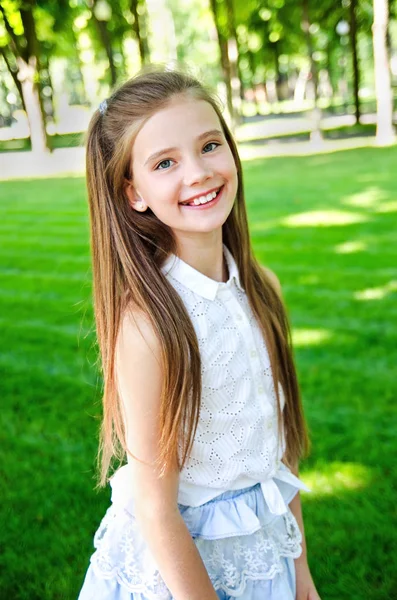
x,y
309,89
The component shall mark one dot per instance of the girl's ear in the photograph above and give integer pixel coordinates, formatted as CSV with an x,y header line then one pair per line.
x,y
136,202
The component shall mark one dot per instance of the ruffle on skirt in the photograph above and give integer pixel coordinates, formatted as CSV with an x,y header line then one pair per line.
x,y
238,537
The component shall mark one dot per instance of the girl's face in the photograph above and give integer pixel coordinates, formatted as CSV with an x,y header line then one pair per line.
x,y
180,154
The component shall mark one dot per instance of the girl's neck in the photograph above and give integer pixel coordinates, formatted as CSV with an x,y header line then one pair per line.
x,y
209,259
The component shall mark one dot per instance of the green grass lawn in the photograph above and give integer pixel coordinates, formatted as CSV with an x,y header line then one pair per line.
x,y
326,224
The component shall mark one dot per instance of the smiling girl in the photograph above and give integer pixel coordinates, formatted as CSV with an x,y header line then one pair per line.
x,y
200,390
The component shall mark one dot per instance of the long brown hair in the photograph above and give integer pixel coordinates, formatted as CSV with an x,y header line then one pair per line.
x,y
128,249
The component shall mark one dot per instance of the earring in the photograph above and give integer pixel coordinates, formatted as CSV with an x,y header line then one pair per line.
x,y
140,205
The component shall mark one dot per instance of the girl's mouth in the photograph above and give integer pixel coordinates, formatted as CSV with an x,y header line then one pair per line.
x,y
205,204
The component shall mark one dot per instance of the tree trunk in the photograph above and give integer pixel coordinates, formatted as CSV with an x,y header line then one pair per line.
x,y
105,38
277,70
251,62
392,15
281,78
144,23
356,71
106,42
384,128
49,101
79,69
300,85
14,76
27,60
225,63
27,75
330,71
234,56
315,134
141,39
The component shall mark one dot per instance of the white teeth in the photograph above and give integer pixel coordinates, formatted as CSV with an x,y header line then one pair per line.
x,y
204,199
207,198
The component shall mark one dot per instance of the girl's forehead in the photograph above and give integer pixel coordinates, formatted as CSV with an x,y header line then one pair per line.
x,y
181,118
185,107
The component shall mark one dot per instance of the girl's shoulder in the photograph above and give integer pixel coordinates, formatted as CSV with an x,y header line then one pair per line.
x,y
274,280
137,330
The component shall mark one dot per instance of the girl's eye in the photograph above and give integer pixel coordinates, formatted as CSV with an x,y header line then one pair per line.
x,y
166,162
212,144
159,168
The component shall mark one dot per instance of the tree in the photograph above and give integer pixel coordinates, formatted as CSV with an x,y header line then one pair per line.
x,y
102,12
224,56
233,53
139,31
22,59
315,134
384,129
356,70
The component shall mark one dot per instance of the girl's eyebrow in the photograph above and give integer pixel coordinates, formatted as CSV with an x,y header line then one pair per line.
x,y
165,150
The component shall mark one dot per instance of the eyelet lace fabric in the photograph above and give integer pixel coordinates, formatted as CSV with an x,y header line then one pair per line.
x,y
261,554
237,537
236,438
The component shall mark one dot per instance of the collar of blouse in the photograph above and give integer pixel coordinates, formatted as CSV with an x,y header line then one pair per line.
x,y
198,282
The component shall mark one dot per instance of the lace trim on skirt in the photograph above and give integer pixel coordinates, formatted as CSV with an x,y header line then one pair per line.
x,y
236,535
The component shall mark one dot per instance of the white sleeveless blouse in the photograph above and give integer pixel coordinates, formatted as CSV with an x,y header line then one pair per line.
x,y
235,445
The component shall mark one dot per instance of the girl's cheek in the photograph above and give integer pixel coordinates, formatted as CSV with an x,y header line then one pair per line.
x,y
231,164
232,170
227,165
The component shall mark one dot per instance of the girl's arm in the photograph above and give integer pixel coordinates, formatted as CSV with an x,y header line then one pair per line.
x,y
305,588
139,375
296,508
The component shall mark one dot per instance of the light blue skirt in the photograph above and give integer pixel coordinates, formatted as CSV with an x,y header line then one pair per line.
x,y
248,551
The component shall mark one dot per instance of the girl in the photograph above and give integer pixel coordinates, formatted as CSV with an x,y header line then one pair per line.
x,y
192,334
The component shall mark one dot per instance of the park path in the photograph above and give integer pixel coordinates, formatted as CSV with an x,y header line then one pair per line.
x,y
71,161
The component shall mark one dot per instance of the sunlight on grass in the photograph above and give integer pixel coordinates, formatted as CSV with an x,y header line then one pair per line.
x,y
367,198
263,225
323,218
376,293
374,199
309,280
387,207
350,247
310,337
337,477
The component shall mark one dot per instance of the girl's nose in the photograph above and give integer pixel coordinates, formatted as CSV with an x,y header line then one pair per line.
x,y
197,170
